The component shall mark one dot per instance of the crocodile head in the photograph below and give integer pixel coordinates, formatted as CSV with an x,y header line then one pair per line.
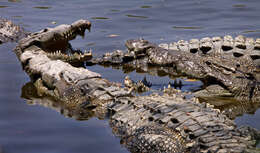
x,y
57,38
138,46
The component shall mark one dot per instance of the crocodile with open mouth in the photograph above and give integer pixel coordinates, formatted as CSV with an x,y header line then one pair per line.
x,y
167,122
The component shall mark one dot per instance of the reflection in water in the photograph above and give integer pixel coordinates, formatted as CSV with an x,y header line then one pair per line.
x,y
29,92
231,107
160,77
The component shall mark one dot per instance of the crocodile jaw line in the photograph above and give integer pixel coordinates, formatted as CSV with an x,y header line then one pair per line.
x,y
56,38
76,28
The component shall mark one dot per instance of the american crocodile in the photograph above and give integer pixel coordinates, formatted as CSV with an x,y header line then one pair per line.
x,y
233,65
9,31
168,122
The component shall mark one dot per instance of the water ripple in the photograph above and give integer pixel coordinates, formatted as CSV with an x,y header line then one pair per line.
x,y
136,16
42,7
146,6
100,18
187,27
14,1
3,6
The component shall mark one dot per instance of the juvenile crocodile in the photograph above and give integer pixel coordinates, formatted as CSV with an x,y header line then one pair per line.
x,y
9,31
156,123
234,65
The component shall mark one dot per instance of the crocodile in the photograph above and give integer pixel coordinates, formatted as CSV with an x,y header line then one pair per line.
x,y
9,31
233,65
160,122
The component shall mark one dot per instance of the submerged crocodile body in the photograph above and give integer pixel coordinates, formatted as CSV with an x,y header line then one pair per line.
x,y
10,31
234,65
170,122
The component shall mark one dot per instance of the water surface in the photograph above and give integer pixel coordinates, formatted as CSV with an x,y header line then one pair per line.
x,y
28,129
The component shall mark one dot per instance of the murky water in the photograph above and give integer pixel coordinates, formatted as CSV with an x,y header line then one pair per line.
x,y
28,129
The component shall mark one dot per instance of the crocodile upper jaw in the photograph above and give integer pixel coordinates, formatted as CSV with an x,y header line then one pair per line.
x,y
57,38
